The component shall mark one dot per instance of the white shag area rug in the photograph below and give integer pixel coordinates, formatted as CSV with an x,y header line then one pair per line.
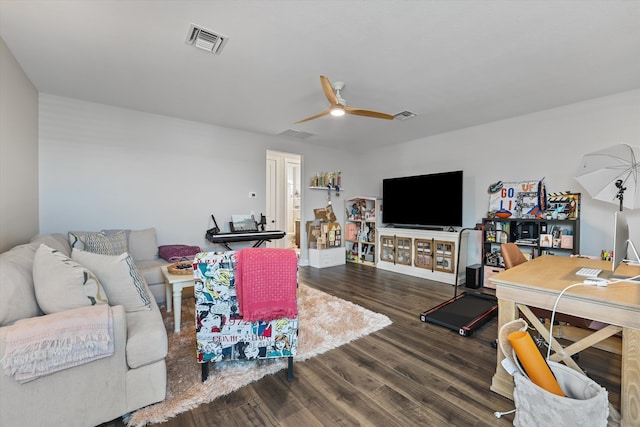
x,y
342,322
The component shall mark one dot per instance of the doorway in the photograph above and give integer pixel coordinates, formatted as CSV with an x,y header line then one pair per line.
x,y
284,197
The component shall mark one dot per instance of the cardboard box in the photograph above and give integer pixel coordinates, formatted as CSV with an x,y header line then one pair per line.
x,y
325,214
313,232
323,235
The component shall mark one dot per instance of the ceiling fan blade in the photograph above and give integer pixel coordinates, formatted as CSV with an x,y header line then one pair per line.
x,y
324,113
328,90
368,113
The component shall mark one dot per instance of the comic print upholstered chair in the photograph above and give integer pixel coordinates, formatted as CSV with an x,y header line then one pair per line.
x,y
246,306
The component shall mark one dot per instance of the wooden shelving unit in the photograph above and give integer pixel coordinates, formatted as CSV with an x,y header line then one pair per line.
x,y
535,237
361,221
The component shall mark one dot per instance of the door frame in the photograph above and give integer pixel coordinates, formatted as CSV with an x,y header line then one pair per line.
x,y
277,186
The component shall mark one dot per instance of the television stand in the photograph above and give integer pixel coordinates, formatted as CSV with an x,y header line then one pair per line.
x,y
430,254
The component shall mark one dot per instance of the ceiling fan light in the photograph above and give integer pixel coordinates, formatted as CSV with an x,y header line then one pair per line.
x,y
337,111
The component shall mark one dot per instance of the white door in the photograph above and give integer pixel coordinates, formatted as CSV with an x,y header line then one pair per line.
x,y
271,193
282,186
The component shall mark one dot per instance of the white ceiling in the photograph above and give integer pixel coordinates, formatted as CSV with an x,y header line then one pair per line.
x,y
453,63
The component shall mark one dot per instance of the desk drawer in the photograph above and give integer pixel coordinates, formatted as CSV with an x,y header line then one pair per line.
x,y
488,272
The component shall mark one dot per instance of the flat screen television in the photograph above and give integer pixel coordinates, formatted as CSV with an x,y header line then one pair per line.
x,y
423,201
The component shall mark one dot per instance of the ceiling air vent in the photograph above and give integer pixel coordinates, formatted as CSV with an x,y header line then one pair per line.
x,y
404,115
206,39
296,134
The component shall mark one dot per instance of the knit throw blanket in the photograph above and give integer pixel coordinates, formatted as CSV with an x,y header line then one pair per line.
x,y
43,345
266,283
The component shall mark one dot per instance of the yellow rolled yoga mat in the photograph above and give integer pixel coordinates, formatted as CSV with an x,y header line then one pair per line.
x,y
533,362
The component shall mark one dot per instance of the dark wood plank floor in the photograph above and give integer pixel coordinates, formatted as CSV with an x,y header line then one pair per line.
x,y
408,373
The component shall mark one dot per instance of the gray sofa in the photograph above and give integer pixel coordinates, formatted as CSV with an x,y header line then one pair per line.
x,y
91,393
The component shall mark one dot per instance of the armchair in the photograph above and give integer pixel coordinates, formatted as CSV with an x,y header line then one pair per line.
x,y
223,331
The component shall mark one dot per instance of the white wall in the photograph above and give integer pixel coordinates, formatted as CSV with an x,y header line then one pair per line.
x,y
108,167
547,144
18,153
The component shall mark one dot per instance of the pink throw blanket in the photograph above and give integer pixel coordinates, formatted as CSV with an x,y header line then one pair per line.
x,y
266,283
42,345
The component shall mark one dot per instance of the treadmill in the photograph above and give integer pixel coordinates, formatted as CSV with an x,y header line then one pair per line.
x,y
464,313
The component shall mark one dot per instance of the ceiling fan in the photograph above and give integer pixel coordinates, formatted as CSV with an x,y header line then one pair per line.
x,y
338,106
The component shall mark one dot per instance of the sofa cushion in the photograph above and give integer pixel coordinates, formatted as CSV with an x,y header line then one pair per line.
x,y
56,241
150,270
111,244
143,244
62,284
18,299
146,337
120,278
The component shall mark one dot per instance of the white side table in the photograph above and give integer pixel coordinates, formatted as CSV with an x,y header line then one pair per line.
x,y
174,283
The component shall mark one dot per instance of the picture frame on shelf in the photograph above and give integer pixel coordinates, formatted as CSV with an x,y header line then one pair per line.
x,y
546,240
566,241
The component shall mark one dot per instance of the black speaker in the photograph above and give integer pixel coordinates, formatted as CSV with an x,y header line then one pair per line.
x,y
474,276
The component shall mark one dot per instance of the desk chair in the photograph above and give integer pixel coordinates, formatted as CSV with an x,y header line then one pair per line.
x,y
511,255
573,328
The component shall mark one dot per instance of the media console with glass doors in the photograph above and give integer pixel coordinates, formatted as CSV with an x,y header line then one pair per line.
x,y
428,254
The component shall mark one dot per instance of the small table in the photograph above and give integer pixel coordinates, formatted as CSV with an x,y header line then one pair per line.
x,y
174,283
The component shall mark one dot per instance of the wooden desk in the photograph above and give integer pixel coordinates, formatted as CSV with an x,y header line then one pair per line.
x,y
538,282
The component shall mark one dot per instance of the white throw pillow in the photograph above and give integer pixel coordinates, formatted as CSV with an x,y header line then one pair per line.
x,y
120,277
62,284
77,238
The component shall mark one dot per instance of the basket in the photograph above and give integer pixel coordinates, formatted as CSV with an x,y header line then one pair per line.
x,y
586,404
182,267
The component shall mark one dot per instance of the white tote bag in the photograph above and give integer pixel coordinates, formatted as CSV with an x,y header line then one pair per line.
x,y
586,403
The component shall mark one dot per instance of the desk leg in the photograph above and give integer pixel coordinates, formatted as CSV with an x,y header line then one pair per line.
x,y
168,295
630,378
177,303
502,382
